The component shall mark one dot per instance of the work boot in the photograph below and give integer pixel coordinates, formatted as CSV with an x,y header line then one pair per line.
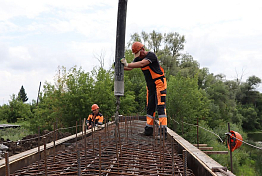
x,y
148,131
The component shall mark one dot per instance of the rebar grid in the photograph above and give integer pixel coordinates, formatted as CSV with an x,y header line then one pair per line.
x,y
107,152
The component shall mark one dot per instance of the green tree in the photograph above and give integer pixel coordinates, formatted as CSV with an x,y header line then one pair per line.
x,y
185,102
188,66
22,95
250,117
17,111
247,93
67,101
4,111
174,43
155,40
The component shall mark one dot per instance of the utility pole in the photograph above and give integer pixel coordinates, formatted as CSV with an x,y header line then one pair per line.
x,y
120,53
230,147
38,94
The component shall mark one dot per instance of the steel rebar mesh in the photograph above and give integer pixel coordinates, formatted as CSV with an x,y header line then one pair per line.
x,y
129,153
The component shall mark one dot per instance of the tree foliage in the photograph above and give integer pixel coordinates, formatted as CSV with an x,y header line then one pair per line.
x,y
15,111
22,95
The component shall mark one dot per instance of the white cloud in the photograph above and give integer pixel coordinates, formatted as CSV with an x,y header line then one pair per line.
x,y
38,36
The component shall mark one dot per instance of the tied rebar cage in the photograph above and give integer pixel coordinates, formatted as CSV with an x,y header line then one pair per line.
x,y
104,153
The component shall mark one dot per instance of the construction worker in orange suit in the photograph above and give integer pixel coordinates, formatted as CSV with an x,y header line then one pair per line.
x,y
95,118
156,85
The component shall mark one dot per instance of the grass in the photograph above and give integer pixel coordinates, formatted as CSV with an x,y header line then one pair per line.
x,y
14,134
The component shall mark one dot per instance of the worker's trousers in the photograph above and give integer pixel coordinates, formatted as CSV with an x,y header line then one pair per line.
x,y
156,99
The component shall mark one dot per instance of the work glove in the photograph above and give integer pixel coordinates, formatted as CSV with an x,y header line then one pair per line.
x,y
123,60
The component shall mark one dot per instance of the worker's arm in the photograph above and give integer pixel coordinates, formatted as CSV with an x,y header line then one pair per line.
x,y
139,64
127,68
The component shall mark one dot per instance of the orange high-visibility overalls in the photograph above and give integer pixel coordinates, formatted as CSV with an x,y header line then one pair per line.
x,y
156,92
94,120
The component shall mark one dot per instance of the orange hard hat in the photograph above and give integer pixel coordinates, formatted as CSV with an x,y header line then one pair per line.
x,y
137,46
94,107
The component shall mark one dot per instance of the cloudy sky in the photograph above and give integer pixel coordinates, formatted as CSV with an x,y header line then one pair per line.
x,y
38,36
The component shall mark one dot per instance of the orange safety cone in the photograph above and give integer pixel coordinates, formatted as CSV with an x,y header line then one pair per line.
x,y
235,143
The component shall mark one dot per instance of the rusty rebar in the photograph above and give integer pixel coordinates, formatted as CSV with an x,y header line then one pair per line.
x,y
45,156
76,135
99,155
7,167
113,156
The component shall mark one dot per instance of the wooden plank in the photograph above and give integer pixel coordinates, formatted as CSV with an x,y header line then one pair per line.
x,y
200,145
206,148
216,152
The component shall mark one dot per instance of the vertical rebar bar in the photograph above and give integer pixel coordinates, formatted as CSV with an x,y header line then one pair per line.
x,y
84,125
172,144
185,162
100,155
116,137
108,128
38,141
160,146
76,135
120,148
197,135
126,128
54,139
163,149
154,129
117,156
45,156
78,163
131,127
105,127
7,167
93,140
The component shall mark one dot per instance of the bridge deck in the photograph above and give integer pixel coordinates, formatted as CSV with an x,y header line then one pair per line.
x,y
104,153
129,153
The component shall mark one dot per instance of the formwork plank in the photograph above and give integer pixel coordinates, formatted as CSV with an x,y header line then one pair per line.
x,y
199,162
